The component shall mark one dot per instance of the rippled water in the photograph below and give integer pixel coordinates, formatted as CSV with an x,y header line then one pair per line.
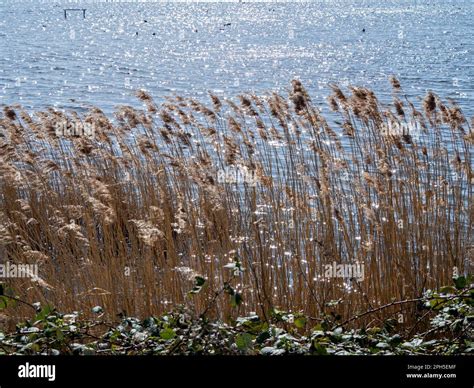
x,y
231,48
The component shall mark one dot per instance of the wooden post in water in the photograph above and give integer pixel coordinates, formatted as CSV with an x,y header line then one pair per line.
x,y
75,9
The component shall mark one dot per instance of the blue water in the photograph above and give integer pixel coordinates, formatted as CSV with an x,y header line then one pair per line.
x,y
190,48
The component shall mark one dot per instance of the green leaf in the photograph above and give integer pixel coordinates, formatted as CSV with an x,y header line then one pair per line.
x,y
244,341
280,315
447,290
436,304
395,340
5,292
236,300
167,334
319,349
460,282
3,302
45,311
59,335
390,324
199,283
300,322
263,337
318,327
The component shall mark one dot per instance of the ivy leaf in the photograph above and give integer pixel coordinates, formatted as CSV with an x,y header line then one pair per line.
x,y
199,283
59,335
447,290
3,302
395,340
460,282
436,304
300,322
319,349
236,300
244,341
6,292
45,311
263,337
167,334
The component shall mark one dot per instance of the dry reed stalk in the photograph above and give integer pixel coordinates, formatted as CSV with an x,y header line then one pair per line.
x,y
128,218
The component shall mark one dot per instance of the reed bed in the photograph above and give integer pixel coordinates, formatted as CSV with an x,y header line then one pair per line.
x,y
259,193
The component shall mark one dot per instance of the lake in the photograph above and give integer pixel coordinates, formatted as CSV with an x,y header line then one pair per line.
x,y
230,48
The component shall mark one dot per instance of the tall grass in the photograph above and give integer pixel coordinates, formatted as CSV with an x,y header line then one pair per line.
x,y
127,219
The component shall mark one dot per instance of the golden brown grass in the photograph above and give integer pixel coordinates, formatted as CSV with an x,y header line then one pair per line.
x,y
128,218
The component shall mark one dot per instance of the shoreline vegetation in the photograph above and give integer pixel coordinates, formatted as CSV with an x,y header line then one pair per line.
x,y
260,224
450,314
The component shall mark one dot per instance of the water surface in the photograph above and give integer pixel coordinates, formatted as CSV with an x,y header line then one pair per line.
x,y
231,48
